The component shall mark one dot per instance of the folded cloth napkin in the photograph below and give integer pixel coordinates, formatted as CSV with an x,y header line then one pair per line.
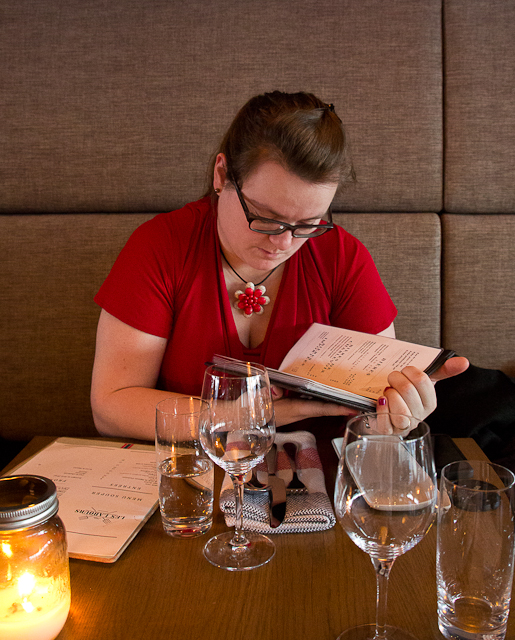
x,y
305,512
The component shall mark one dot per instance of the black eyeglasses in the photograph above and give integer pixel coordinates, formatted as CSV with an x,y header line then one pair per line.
x,y
275,228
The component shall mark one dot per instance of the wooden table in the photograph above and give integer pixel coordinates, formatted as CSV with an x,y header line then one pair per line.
x,y
317,585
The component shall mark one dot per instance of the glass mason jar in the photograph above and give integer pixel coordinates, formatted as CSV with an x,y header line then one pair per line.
x,y
34,569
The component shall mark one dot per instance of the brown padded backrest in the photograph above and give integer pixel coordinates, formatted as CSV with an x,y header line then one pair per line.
x,y
117,105
478,288
52,267
479,112
406,248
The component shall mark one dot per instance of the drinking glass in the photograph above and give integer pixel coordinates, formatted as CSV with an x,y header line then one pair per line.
x,y
185,474
385,499
475,550
236,434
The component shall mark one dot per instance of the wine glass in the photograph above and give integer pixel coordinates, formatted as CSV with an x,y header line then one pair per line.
x,y
385,499
238,433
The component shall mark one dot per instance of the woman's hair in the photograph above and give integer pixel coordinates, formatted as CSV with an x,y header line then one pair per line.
x,y
297,130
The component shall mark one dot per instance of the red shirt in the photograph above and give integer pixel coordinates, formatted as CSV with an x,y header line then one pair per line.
x,y
168,281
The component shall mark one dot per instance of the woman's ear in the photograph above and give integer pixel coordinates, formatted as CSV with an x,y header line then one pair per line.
x,y
220,172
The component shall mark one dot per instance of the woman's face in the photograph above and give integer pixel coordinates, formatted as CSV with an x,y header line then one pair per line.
x,y
270,192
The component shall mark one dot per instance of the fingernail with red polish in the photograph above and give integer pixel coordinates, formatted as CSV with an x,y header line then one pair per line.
x,y
382,401
387,389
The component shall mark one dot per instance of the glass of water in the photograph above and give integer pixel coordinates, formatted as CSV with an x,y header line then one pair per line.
x,y
185,474
475,550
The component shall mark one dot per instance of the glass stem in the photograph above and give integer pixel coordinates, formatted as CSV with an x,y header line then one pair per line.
x,y
239,539
382,569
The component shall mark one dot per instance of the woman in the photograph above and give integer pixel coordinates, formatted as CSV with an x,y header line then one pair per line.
x,y
167,305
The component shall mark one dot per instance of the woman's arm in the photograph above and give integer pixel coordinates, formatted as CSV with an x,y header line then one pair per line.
x,y
125,372
289,410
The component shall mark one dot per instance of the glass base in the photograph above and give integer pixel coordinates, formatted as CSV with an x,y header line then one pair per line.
x,y
368,632
186,527
220,552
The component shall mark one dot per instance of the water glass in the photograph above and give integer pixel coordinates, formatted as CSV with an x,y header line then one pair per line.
x,y
184,472
475,550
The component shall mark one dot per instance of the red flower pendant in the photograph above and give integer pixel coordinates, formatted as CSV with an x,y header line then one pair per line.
x,y
252,300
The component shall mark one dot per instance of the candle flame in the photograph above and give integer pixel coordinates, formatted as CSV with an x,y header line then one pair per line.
x,y
28,606
26,584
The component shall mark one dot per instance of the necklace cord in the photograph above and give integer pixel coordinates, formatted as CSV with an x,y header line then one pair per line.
x,y
238,275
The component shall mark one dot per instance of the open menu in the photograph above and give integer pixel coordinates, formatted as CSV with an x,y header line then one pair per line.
x,y
106,490
344,366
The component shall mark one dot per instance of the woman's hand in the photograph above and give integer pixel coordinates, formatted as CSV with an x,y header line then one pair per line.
x,y
412,392
288,410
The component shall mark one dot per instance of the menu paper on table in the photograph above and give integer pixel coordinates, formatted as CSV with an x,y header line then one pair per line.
x,y
106,490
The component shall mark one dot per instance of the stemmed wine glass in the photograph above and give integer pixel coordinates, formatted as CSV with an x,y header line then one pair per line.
x,y
238,433
385,499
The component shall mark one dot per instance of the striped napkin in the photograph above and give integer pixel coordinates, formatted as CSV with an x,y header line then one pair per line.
x,y
305,512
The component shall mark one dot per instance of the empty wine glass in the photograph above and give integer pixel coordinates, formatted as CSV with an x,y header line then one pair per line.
x,y
385,499
238,433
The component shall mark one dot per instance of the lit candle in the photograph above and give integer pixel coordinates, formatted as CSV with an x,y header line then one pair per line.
x,y
34,570
32,608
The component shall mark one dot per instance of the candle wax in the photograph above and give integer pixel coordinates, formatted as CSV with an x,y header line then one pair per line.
x,y
43,621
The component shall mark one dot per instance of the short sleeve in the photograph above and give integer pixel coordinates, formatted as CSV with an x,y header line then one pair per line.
x,y
141,287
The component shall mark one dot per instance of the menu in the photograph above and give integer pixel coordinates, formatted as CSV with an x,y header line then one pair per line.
x,y
106,490
344,366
